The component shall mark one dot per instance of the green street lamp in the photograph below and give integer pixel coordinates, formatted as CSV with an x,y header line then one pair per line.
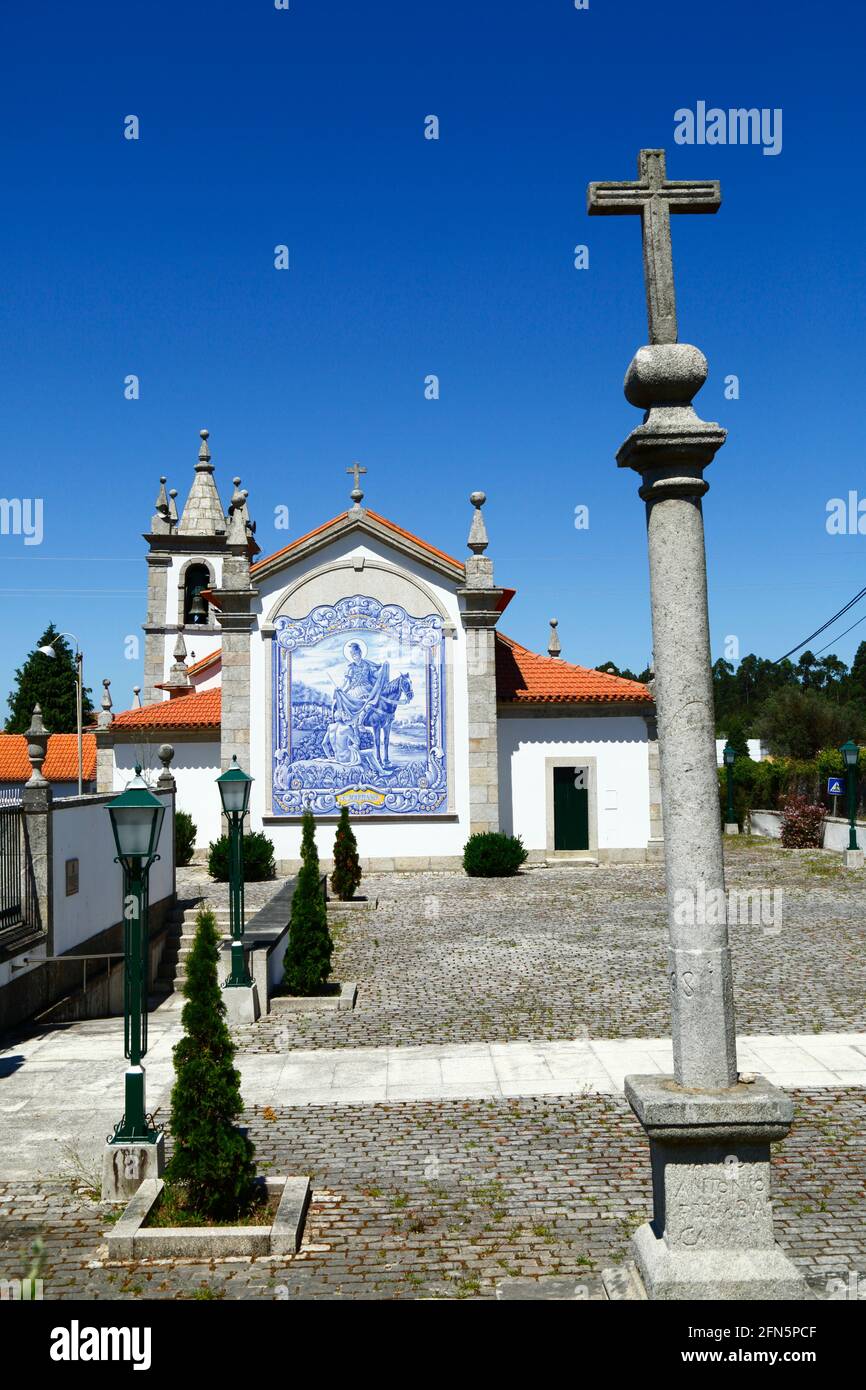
x,y
235,785
136,822
851,756
729,755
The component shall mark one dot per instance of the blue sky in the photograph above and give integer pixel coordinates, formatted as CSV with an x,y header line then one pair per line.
x,y
411,257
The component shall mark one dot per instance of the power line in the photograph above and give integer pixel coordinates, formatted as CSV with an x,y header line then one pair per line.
x,y
823,627
841,634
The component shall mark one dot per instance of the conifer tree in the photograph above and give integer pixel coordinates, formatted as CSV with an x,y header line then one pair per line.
x,y
347,866
212,1163
50,683
307,962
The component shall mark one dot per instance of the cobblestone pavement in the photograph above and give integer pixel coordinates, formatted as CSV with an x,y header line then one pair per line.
x,y
457,1199
569,953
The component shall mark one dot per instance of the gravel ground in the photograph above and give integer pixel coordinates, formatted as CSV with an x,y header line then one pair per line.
x,y
567,953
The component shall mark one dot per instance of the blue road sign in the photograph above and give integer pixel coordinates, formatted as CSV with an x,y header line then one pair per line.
x,y
835,786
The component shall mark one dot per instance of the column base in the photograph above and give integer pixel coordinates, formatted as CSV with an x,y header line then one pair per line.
x,y
852,859
732,828
675,1273
125,1167
242,1003
711,1236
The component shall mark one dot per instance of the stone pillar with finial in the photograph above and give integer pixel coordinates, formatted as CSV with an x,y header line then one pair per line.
x,y
36,807
233,602
554,646
480,600
105,742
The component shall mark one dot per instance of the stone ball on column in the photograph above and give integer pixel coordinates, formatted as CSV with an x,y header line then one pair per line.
x,y
665,374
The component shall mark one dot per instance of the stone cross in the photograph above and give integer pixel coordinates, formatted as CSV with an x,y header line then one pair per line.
x,y
356,470
710,1129
655,197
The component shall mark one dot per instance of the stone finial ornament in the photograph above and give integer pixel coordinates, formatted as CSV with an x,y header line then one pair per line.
x,y
203,512
172,507
37,746
554,646
165,781
478,540
356,494
105,718
237,532
136,697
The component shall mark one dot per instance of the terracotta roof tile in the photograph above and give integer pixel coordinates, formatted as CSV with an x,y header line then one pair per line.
x,y
61,759
198,711
524,677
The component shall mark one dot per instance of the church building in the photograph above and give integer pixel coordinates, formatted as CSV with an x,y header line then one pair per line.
x,y
362,666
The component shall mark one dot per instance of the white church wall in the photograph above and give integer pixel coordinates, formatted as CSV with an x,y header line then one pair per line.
x,y
82,830
618,749
385,838
195,768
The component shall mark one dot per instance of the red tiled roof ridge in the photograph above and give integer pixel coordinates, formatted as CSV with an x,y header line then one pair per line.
x,y
382,520
204,661
201,709
524,676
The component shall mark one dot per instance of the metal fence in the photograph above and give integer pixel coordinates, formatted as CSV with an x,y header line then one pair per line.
x,y
16,897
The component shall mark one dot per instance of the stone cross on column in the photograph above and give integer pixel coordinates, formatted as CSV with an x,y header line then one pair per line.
x,y
710,1131
655,197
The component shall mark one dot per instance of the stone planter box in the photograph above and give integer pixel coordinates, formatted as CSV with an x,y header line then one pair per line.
x,y
295,1004
130,1239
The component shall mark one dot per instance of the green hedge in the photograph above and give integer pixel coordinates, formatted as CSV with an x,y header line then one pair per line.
x,y
491,854
258,858
765,786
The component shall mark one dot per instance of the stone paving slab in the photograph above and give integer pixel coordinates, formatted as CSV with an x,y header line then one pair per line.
x,y
460,1199
47,1094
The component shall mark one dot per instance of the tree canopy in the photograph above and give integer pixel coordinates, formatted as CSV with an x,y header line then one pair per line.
x,y
50,683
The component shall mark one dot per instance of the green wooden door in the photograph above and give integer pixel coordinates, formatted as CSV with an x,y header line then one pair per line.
x,y
570,810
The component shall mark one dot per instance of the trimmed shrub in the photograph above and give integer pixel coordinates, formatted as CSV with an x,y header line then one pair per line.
x,y
211,1170
307,962
258,858
347,867
491,854
185,831
802,820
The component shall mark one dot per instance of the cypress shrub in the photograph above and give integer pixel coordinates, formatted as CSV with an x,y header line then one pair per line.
x,y
185,831
307,963
491,854
347,867
211,1171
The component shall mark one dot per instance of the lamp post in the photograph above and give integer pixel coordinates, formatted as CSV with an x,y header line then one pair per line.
x,y
729,755
79,690
136,821
851,756
234,785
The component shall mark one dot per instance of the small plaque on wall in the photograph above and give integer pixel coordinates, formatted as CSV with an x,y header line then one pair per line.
x,y
71,877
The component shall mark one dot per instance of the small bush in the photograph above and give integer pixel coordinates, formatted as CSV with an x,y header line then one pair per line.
x,y
347,868
307,962
185,831
258,858
802,821
491,854
211,1171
